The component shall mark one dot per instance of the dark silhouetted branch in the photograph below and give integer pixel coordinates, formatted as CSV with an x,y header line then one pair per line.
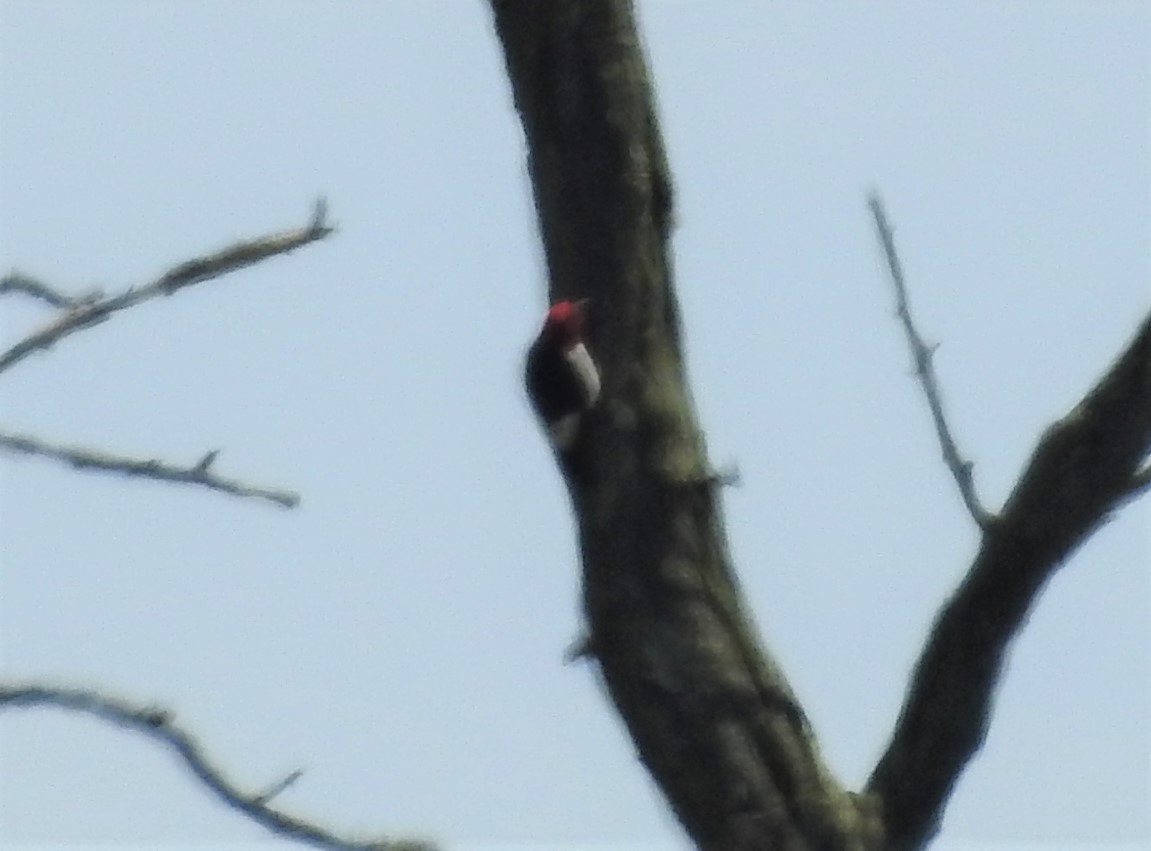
x,y
158,725
279,786
15,282
922,354
1081,470
199,473
79,314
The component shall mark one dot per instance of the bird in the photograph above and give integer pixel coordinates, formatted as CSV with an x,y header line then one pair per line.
x,y
563,381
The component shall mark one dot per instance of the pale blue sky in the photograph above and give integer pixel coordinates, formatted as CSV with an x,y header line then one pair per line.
x,y
400,635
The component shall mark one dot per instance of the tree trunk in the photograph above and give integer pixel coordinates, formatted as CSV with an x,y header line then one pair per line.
x,y
710,712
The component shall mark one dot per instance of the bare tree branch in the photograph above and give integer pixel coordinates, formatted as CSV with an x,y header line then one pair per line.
x,y
158,724
1081,470
84,314
15,282
199,473
922,354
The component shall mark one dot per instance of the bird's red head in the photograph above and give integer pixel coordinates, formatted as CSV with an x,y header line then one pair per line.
x,y
564,322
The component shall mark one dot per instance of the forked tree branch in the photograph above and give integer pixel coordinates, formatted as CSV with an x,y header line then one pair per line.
x,y
21,284
200,473
923,355
78,314
712,715
158,724
1085,466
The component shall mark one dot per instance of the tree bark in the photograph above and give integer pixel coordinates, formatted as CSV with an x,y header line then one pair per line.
x,y
711,714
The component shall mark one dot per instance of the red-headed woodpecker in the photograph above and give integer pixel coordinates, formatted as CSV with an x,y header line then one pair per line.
x,y
561,376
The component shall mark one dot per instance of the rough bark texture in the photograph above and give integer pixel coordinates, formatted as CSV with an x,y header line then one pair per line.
x,y
711,714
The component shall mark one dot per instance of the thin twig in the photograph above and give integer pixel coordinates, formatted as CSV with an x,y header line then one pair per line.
x,y
922,354
158,725
199,473
16,282
79,314
279,786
